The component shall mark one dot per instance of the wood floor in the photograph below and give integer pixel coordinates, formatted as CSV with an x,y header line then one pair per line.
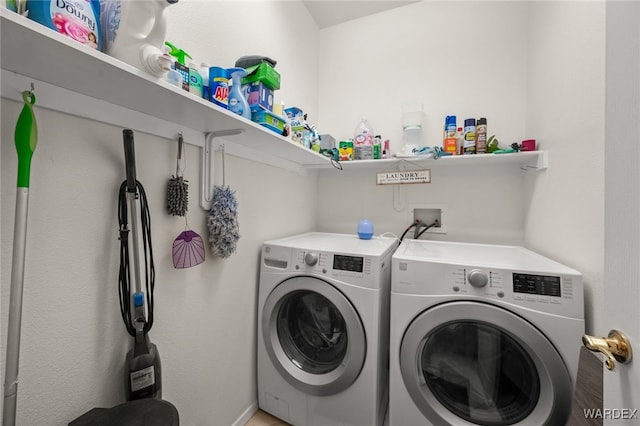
x,y
260,418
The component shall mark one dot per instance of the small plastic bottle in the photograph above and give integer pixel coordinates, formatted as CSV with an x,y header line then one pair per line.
x,y
237,102
363,141
195,80
377,147
459,141
386,152
204,73
481,136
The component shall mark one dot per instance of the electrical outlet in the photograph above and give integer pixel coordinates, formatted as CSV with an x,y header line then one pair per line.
x,y
429,215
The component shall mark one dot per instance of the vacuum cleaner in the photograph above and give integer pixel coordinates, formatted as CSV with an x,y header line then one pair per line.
x,y
143,369
143,381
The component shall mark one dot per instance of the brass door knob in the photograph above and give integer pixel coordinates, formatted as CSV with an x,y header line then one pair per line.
x,y
615,347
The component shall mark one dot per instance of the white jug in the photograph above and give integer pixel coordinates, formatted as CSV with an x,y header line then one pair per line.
x,y
135,31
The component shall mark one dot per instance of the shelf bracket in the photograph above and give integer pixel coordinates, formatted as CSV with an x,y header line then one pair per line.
x,y
542,162
206,172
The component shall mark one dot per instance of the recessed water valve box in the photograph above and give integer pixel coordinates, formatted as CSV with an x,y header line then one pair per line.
x,y
431,215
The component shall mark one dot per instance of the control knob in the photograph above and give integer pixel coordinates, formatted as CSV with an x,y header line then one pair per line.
x,y
311,258
477,278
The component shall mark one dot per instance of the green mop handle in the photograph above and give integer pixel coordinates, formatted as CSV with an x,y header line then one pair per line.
x,y
26,138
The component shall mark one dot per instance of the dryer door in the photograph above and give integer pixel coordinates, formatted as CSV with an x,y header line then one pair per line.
x,y
313,335
475,363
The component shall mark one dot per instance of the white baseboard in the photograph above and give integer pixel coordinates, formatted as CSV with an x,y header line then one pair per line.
x,y
246,414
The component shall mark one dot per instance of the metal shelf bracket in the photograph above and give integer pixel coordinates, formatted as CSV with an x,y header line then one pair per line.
x,y
206,171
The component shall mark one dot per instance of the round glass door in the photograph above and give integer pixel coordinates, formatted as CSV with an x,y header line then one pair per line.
x,y
313,335
475,363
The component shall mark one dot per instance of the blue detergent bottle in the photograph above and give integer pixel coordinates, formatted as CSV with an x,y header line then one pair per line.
x,y
77,20
237,102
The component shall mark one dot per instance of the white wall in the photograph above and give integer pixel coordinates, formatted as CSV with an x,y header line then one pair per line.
x,y
73,340
458,58
565,112
534,69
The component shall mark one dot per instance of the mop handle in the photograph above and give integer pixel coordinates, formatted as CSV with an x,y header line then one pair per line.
x,y
132,194
130,160
26,139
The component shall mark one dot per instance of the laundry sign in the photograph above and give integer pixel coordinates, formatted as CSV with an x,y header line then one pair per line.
x,y
403,176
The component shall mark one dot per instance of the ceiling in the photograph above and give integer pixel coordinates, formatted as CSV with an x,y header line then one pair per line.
x,y
330,12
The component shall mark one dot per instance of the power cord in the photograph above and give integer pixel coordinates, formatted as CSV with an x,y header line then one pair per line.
x,y
426,228
408,229
418,224
124,277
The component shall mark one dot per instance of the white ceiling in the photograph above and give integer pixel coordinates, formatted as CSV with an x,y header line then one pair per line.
x,y
331,12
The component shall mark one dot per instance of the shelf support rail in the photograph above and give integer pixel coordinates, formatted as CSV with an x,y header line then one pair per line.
x,y
207,169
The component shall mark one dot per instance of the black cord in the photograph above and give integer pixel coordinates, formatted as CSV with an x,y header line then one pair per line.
x,y
407,230
426,229
124,276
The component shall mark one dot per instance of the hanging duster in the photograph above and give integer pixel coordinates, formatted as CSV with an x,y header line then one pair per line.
x,y
222,220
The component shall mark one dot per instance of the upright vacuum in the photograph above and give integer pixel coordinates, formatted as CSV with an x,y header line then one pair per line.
x,y
143,370
142,378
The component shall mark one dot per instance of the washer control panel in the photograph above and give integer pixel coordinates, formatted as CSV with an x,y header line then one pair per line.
x,y
365,271
541,285
336,264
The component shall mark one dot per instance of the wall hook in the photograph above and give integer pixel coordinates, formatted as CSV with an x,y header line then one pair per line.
x,y
206,172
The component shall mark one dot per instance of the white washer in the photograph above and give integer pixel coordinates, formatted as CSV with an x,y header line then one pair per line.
x,y
482,335
323,336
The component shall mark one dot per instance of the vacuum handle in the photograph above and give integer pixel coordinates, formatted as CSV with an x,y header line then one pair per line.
x,y
130,159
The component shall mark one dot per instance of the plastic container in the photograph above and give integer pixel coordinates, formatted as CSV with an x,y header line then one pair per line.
x,y
345,150
363,141
204,73
412,114
237,102
81,24
481,136
365,229
363,135
269,120
459,141
219,86
135,31
195,80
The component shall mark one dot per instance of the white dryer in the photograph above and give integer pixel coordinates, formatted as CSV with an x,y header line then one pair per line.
x,y
323,336
482,335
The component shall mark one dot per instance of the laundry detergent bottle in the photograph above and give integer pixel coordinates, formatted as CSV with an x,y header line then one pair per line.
x,y
76,19
134,32
237,102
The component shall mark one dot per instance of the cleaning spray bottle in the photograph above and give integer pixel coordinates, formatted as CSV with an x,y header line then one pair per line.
x,y
237,102
180,63
134,32
80,21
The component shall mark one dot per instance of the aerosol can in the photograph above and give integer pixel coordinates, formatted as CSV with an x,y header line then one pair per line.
x,y
134,32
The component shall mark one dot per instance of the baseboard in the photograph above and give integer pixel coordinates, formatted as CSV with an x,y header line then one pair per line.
x,y
246,414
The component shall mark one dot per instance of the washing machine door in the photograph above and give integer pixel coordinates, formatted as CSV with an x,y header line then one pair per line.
x,y
476,363
313,335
